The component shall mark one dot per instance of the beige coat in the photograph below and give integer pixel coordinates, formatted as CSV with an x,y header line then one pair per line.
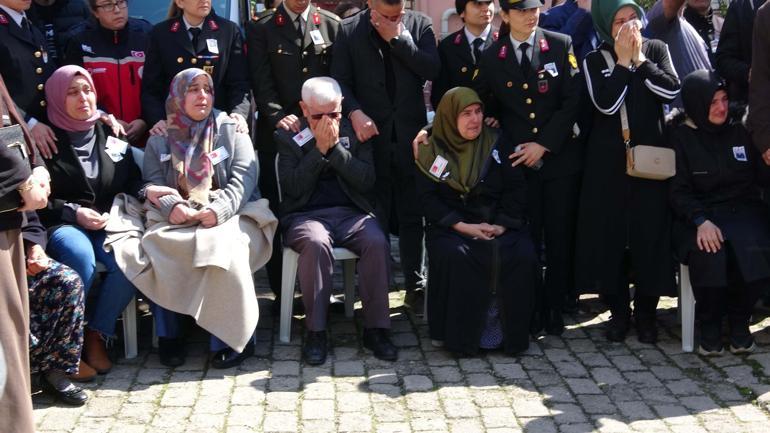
x,y
205,273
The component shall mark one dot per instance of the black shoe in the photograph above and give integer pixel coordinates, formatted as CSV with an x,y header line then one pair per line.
x,y
378,341
315,349
69,393
555,322
537,323
741,341
171,351
646,330
228,357
616,328
710,339
415,300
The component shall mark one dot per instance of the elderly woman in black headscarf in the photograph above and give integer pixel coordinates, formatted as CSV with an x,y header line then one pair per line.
x,y
722,229
482,260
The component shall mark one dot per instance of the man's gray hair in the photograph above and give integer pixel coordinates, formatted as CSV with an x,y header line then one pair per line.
x,y
321,91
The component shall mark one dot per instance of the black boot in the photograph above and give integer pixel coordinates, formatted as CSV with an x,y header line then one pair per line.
x,y
378,341
555,322
646,331
316,348
617,328
741,341
171,351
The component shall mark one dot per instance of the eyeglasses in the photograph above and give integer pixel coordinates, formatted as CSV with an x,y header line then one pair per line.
x,y
114,6
335,115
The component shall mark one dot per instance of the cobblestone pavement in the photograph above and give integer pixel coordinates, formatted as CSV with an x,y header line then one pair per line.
x,y
573,384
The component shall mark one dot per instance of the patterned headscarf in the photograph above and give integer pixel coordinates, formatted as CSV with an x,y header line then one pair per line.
x,y
603,13
190,141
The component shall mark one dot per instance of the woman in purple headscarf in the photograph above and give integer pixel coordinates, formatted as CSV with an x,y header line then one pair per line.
x,y
92,166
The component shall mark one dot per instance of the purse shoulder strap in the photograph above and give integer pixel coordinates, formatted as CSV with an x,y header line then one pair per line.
x,y
13,114
623,110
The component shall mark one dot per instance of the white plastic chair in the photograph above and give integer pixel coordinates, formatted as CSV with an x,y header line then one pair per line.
x,y
289,277
686,307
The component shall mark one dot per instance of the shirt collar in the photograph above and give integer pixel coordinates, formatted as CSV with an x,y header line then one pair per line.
x,y
189,26
15,16
483,36
530,40
294,16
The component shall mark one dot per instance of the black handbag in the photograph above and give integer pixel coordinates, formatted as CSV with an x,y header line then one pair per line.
x,y
13,147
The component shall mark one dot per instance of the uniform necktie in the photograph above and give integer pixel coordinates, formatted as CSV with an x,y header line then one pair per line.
x,y
477,43
300,27
195,32
25,28
525,64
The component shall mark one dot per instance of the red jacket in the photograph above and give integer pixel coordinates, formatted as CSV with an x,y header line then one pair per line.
x,y
115,60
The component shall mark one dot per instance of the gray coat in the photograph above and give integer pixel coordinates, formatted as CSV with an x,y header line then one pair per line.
x,y
236,176
299,168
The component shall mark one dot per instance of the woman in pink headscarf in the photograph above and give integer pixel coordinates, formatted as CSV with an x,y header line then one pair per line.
x,y
92,166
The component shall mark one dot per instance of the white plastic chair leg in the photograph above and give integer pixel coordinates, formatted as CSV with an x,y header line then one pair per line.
x,y
288,277
686,303
348,276
129,330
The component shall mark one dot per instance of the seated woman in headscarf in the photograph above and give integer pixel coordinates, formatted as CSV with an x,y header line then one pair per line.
x,y
482,260
91,167
204,233
722,230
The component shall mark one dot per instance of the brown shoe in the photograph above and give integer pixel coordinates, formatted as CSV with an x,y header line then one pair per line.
x,y
95,352
85,373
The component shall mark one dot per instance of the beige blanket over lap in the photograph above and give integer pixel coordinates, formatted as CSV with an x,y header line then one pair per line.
x,y
205,273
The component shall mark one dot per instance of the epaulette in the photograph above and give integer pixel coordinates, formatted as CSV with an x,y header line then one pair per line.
x,y
265,14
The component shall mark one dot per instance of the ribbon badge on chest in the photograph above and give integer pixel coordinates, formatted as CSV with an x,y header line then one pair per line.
x,y
280,20
316,19
544,48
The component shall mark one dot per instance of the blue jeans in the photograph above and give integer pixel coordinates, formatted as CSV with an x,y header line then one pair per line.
x,y
80,249
167,326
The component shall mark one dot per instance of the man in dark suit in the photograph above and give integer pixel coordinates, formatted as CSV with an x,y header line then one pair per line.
x,y
287,46
382,58
25,67
529,82
460,51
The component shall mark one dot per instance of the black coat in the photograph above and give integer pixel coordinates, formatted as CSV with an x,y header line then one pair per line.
x,y
540,107
279,63
57,22
457,65
617,210
718,179
467,274
170,51
70,185
25,67
360,70
733,56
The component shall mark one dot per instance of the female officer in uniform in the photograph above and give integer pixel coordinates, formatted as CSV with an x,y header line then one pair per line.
x,y
194,36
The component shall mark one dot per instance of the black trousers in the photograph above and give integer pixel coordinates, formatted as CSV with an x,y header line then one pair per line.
x,y
553,206
268,187
398,210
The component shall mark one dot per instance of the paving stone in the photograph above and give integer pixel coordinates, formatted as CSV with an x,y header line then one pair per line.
x,y
280,422
459,408
352,402
493,417
355,422
684,387
635,410
429,421
509,371
529,408
490,398
568,414
538,425
417,383
583,386
594,359
607,376
285,368
348,368
596,404
627,363
423,401
388,376
448,374
557,394
570,369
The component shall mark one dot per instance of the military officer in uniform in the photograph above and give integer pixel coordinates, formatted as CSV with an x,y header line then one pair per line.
x,y
528,81
460,51
287,45
196,37
25,67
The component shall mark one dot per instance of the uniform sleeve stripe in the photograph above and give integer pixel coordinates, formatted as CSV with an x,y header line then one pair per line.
x,y
660,91
608,111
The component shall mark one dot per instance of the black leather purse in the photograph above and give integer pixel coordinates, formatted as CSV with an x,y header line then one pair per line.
x,y
13,147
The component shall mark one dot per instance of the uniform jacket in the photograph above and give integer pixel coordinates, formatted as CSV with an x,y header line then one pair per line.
x,y
115,60
299,168
457,66
733,56
25,67
170,50
279,63
574,21
541,107
57,22
236,176
70,185
360,70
